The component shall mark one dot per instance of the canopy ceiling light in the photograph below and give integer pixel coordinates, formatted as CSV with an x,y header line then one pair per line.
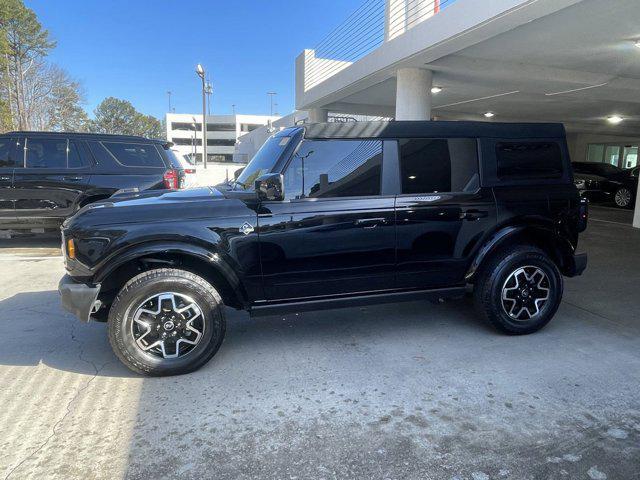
x,y
615,119
489,114
436,89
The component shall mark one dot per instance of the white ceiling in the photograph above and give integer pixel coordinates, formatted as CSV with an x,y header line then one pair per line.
x,y
586,45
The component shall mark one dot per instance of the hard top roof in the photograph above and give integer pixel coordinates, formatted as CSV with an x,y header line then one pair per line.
x,y
422,129
85,136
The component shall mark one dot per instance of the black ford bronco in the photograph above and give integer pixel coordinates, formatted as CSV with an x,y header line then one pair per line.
x,y
327,216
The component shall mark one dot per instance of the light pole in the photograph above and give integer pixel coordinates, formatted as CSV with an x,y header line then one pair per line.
x,y
233,108
169,95
271,94
201,73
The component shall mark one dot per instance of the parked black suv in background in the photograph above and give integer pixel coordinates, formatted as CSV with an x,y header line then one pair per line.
x,y
332,215
605,182
46,177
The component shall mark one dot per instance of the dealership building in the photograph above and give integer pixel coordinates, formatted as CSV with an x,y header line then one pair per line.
x,y
571,61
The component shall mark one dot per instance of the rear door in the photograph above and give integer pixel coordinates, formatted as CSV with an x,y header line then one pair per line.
x,y
7,164
442,213
126,165
334,233
51,179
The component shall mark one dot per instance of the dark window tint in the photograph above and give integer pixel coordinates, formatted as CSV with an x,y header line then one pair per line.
x,y
438,165
335,168
521,160
46,153
135,154
6,146
74,159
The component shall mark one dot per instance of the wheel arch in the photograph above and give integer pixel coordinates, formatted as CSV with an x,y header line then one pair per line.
x,y
209,265
544,237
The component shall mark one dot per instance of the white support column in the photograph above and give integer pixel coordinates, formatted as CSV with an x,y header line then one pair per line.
x,y
318,115
413,94
636,212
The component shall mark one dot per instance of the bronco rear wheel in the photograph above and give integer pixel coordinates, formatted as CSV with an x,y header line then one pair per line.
x,y
518,290
166,322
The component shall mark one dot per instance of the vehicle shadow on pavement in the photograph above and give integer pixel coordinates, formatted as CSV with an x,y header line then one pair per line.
x,y
38,331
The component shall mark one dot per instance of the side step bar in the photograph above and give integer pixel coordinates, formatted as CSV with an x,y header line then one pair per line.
x,y
281,308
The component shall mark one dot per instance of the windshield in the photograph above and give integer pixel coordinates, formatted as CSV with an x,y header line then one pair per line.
x,y
262,162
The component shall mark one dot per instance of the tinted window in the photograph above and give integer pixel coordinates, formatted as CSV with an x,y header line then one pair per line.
x,y
6,145
74,160
521,160
46,153
135,154
262,162
438,165
335,168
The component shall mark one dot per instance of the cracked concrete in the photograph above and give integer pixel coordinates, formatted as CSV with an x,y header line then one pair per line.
x,y
416,390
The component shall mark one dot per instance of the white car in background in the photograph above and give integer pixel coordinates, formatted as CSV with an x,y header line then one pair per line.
x,y
189,169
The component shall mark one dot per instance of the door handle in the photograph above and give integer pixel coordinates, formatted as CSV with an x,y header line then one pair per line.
x,y
370,223
72,179
473,215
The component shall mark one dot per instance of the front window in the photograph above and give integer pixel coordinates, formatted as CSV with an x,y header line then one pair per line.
x,y
262,162
335,168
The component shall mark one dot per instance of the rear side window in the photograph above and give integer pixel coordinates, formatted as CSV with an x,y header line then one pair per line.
x,y
438,165
335,168
135,154
524,160
46,153
6,145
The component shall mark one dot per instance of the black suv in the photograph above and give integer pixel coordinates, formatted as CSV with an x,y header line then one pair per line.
x,y
46,177
333,215
603,181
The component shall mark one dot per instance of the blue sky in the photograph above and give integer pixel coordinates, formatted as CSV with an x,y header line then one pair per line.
x,y
139,49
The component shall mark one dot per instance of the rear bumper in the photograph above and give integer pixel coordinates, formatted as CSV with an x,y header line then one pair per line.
x,y
577,265
78,298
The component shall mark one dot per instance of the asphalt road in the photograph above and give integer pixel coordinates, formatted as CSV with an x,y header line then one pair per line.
x,y
408,391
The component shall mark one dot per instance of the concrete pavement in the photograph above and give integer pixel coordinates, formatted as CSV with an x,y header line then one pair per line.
x,y
413,390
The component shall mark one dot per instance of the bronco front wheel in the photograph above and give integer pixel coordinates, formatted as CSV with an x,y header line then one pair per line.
x,y
166,322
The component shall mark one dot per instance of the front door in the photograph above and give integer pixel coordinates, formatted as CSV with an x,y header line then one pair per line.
x,y
442,213
334,233
53,178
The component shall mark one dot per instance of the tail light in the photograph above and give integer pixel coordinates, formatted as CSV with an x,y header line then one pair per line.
x,y
583,215
170,179
189,170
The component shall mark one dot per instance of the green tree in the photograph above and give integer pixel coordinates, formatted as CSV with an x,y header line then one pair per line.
x,y
25,44
114,115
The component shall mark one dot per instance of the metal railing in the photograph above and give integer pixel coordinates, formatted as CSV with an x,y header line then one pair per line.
x,y
368,27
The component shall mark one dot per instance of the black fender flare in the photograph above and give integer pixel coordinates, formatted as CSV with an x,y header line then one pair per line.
x,y
211,258
564,250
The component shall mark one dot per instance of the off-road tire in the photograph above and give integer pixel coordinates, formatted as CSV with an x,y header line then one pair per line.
x,y
492,277
153,282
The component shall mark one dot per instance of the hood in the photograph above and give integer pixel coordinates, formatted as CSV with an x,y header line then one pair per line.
x,y
157,206
127,198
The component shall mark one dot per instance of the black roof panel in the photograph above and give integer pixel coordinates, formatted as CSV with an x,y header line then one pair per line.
x,y
86,136
422,129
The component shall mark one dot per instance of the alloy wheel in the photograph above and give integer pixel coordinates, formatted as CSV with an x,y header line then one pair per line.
x,y
525,292
623,197
168,325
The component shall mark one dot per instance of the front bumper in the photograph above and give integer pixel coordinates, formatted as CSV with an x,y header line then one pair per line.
x,y
78,298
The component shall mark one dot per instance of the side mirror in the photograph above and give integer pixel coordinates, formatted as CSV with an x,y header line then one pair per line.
x,y
270,187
